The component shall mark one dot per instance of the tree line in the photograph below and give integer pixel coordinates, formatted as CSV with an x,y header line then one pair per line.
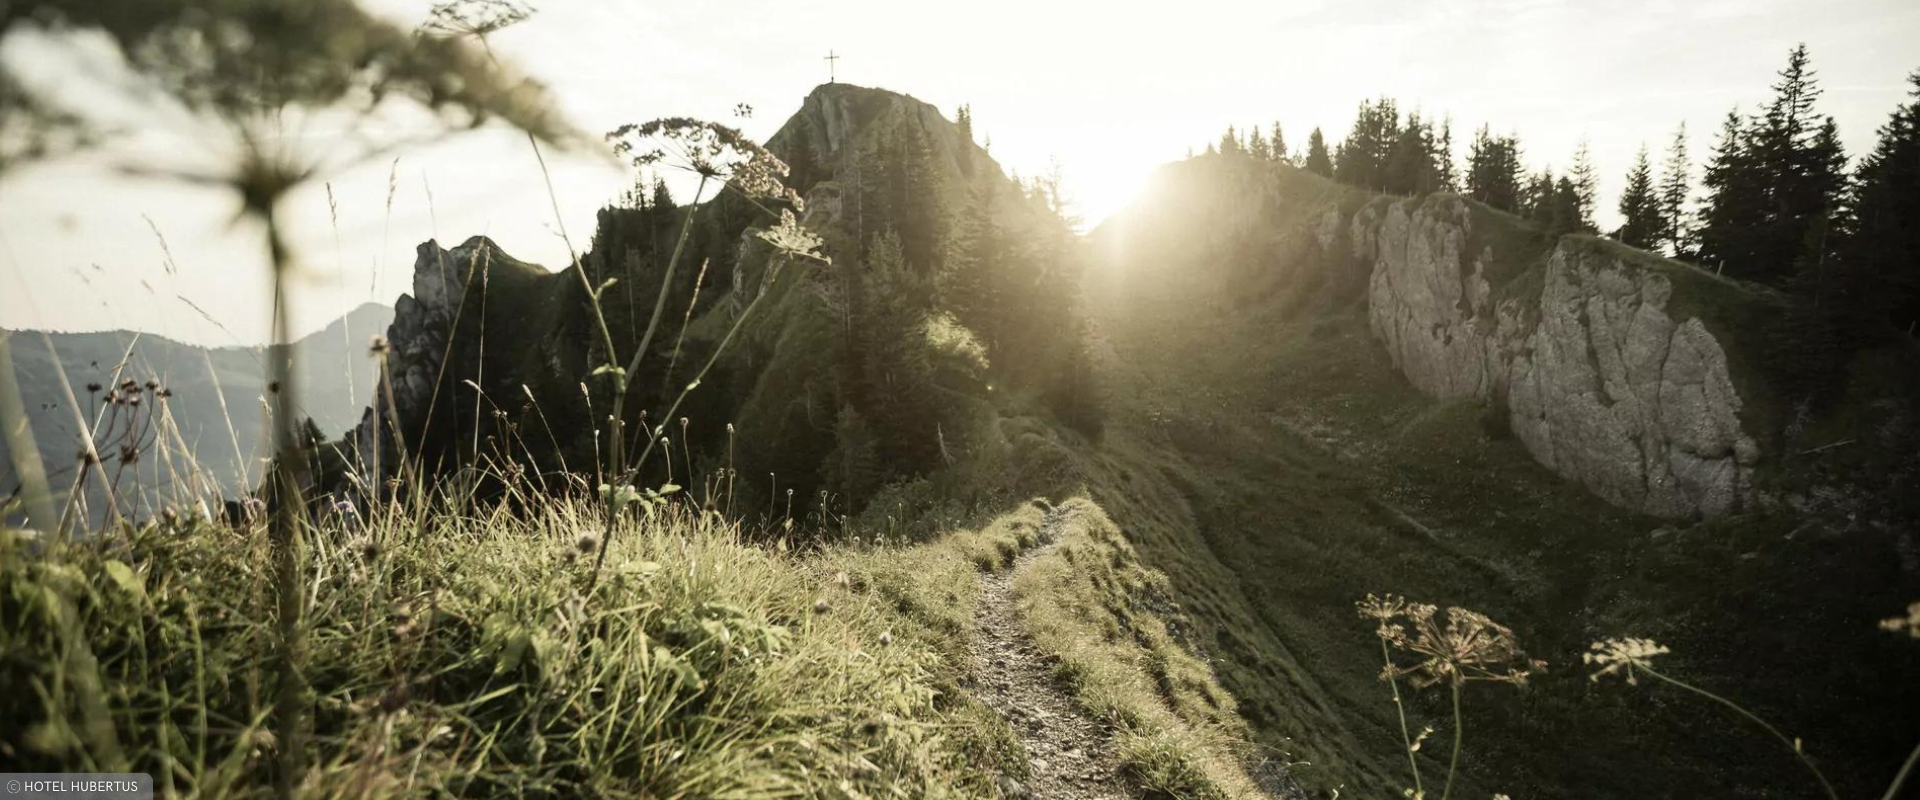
x,y
1778,201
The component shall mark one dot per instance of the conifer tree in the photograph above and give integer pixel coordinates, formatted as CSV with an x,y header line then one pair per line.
x,y
1493,170
1736,203
1277,144
1586,185
1564,214
1774,180
963,119
1882,256
1538,198
1361,160
1257,145
1230,142
1640,206
1675,235
1317,161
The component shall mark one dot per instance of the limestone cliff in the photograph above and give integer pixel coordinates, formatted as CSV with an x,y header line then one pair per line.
x,y
1600,379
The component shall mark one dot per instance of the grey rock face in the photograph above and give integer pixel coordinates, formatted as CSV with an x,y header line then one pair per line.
x,y
417,346
1602,385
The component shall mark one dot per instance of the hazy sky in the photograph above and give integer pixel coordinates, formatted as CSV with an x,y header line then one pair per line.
x,y
1109,90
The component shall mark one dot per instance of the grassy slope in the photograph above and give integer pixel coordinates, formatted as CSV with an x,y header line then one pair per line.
x,y
1279,479
475,661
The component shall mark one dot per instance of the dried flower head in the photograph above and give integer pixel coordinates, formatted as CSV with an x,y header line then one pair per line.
x,y
378,345
1381,609
1467,646
93,388
886,638
587,543
707,149
368,549
820,606
788,238
1621,656
1910,624
476,18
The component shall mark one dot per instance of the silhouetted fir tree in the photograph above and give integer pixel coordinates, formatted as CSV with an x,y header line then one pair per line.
x,y
662,202
1493,170
1781,176
964,120
1414,163
1564,214
1257,145
1675,236
1538,197
1640,207
1317,161
1882,256
1277,144
1230,142
1443,154
1586,186
1361,159
1736,203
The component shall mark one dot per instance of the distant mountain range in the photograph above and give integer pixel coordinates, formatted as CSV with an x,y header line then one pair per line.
x,y
216,402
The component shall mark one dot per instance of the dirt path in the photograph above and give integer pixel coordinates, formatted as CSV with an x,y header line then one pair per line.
x,y
1071,756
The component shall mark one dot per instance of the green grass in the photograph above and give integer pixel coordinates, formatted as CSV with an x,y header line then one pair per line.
x,y
467,660
1120,645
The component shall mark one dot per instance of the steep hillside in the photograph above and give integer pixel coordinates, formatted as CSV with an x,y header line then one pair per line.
x,y
880,366
216,404
1321,393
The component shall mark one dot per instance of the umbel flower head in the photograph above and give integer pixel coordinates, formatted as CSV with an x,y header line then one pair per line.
x,y
1909,624
475,17
707,149
1621,656
1466,646
788,238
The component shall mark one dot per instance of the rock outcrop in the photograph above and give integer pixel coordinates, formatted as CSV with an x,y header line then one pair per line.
x,y
1600,381
418,355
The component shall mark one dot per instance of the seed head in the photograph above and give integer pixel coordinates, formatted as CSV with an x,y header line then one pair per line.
x,y
1909,624
93,388
1621,656
378,345
820,606
886,638
1468,646
587,543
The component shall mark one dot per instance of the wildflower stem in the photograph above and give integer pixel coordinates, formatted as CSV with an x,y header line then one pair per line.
x,y
1453,765
659,310
1791,745
1900,779
1399,707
